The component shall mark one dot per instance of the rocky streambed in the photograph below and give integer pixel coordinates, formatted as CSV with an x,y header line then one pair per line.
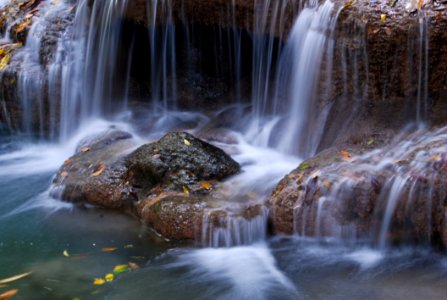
x,y
384,193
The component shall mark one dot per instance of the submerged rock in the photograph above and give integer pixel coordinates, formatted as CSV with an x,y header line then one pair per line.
x,y
169,184
392,195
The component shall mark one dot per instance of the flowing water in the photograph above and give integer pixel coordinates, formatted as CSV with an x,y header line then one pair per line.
x,y
66,247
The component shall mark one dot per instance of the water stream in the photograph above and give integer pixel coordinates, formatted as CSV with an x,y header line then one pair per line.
x,y
91,80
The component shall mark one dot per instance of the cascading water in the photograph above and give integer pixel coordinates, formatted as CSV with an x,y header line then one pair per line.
x,y
88,64
300,74
90,78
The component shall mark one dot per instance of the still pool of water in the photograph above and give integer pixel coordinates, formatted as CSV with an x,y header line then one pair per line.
x,y
35,230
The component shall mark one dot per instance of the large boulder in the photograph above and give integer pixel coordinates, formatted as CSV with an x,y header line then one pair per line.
x,y
394,194
170,184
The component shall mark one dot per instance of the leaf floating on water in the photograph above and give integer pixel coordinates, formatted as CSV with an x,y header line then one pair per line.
x,y
8,294
186,142
370,142
85,149
65,253
64,174
98,281
185,190
120,269
15,278
128,246
304,166
5,61
108,249
206,185
99,170
109,277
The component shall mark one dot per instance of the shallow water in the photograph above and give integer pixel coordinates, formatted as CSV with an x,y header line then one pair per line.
x,y
36,230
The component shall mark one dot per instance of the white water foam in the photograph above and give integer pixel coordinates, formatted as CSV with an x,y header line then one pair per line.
x,y
251,272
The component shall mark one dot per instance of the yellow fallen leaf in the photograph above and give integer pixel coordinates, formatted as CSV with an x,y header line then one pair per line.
x,y
326,184
128,246
85,149
110,249
185,190
5,61
8,294
109,277
99,281
99,170
206,185
14,278
64,174
370,142
120,269
65,253
187,143
383,17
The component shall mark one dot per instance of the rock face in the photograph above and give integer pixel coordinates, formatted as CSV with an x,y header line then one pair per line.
x,y
395,194
168,183
385,67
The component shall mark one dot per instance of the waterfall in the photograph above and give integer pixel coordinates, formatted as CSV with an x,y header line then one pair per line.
x,y
299,75
88,66
233,230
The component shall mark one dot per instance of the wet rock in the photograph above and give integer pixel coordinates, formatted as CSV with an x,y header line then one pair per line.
x,y
392,195
94,175
178,151
169,183
174,215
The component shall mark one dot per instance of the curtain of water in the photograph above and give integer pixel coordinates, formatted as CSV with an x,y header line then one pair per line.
x,y
299,74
